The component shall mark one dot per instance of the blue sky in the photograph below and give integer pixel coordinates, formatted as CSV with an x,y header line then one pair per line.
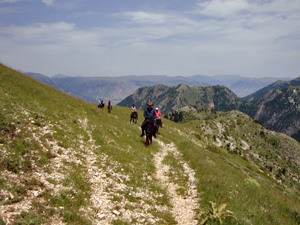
x,y
254,38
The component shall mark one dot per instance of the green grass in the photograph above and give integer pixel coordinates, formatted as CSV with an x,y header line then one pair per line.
x,y
29,107
35,116
227,178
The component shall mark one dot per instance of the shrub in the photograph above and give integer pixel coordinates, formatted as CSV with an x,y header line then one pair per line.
x,y
252,183
216,214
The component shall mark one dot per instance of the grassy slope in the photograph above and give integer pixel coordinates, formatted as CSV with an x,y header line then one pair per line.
x,y
228,178
29,108
36,119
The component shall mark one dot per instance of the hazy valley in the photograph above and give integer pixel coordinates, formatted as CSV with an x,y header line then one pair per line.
x,y
91,89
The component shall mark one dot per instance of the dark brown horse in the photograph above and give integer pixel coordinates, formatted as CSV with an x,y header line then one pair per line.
x,y
158,123
149,128
134,117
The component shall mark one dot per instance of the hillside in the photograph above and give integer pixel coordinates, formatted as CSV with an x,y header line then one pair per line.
x,y
239,134
168,99
273,86
64,161
46,80
278,110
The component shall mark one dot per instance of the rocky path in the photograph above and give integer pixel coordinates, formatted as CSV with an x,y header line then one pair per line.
x,y
112,198
106,184
184,205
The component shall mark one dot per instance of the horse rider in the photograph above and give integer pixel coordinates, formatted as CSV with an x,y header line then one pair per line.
x,y
158,114
133,109
149,114
158,120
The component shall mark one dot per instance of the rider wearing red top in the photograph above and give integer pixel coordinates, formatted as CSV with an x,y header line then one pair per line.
x,y
158,114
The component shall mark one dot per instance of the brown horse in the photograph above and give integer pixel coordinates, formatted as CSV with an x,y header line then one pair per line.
x,y
134,117
158,123
149,128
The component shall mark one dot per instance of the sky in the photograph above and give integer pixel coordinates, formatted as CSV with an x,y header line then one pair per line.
x,y
252,38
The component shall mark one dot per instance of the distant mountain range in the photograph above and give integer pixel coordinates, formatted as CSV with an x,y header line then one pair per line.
x,y
91,89
277,110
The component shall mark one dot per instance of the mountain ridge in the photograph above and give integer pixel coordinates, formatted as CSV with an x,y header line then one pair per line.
x,y
96,87
276,85
172,98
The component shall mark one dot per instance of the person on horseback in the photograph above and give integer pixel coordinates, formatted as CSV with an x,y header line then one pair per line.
x,y
133,109
134,114
149,114
158,120
158,114
109,106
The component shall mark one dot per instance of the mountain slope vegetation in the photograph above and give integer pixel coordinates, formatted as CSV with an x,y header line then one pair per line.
x,y
172,98
239,134
64,161
278,109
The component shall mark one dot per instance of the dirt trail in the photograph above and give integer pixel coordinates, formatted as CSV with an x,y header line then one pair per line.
x,y
108,180
184,206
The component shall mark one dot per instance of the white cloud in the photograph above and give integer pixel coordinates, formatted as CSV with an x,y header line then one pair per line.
x,y
145,17
8,1
232,9
48,2
35,33
234,36
221,8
